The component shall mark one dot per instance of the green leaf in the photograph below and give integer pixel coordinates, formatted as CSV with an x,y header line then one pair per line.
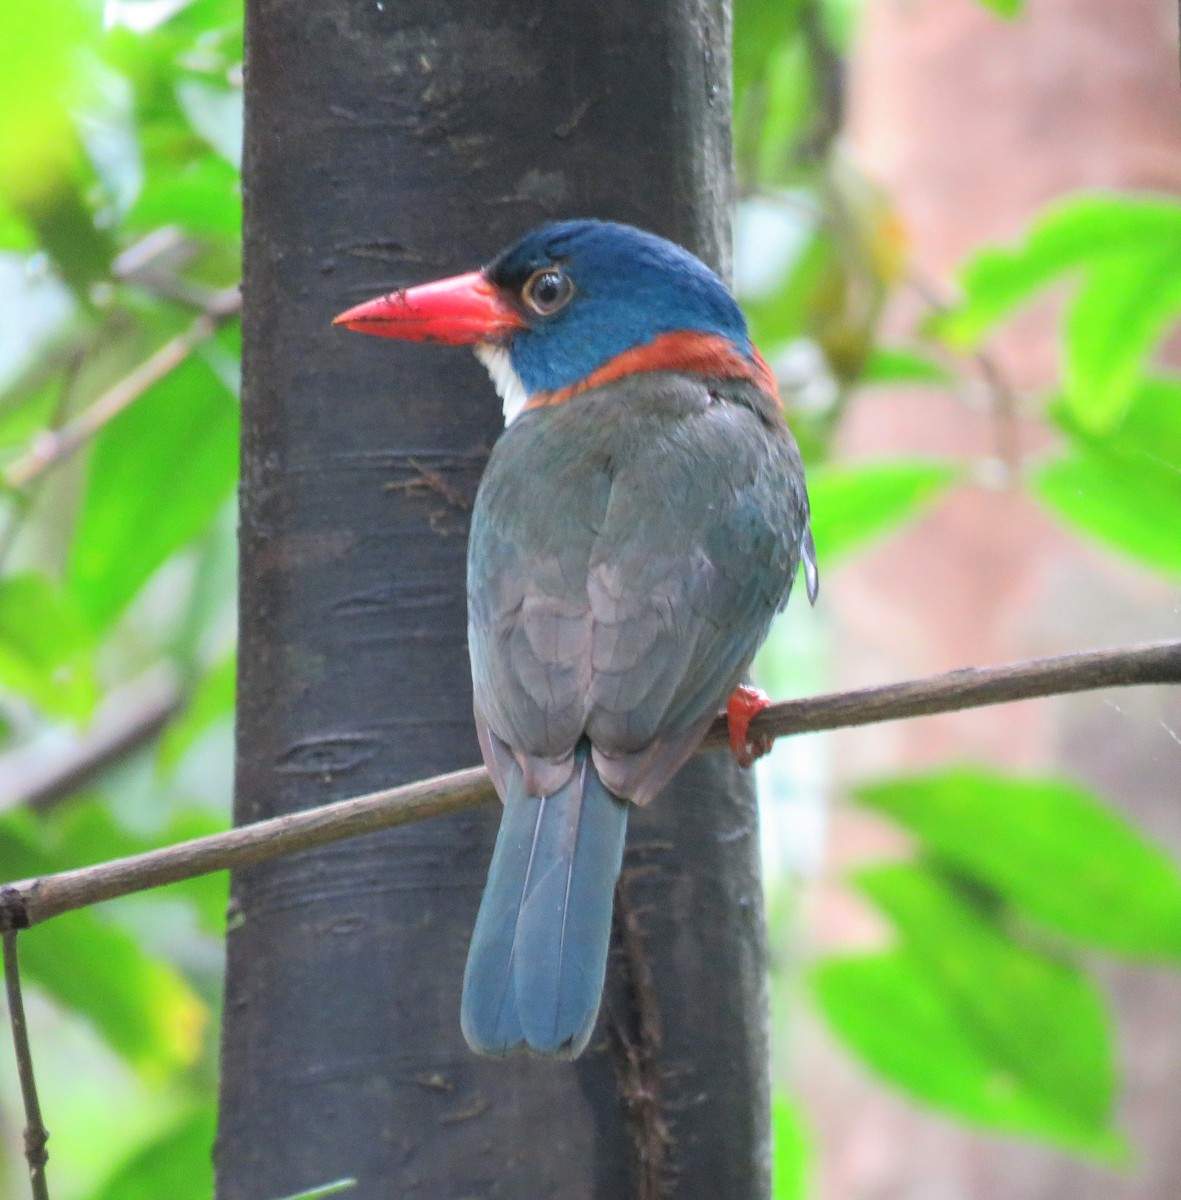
x,y
142,1008
201,196
789,1160
1035,1019
1004,8
853,504
45,177
1118,315
785,313
177,1164
899,365
761,29
1081,231
787,110
39,47
841,19
205,20
1117,487
216,114
213,698
1124,505
1151,427
45,653
14,233
890,1011
1050,849
26,412
157,477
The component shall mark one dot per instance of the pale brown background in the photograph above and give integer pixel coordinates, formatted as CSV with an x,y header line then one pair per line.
x,y
973,124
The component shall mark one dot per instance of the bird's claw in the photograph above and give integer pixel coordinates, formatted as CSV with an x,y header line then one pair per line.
x,y
744,705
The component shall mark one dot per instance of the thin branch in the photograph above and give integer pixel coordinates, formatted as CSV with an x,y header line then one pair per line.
x,y
1006,428
34,900
31,901
131,718
22,503
52,447
36,1135
829,72
969,687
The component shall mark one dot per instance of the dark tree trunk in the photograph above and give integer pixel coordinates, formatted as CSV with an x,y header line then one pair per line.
x,y
389,142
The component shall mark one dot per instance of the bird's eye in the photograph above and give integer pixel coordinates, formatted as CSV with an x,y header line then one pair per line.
x,y
547,290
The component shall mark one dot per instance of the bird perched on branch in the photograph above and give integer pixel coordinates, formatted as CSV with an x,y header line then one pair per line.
x,y
640,522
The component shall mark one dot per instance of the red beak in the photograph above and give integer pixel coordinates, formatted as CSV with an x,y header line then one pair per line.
x,y
456,311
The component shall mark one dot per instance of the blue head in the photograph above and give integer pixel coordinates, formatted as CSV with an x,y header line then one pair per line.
x,y
591,290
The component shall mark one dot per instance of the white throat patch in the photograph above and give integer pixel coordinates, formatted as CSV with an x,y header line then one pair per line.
x,y
505,380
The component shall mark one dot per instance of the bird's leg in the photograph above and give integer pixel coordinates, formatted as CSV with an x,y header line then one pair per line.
x,y
744,705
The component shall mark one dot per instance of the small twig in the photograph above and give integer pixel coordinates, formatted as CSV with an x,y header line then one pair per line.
x,y
131,718
791,202
36,1135
22,503
31,901
829,76
428,480
1006,431
15,515
52,447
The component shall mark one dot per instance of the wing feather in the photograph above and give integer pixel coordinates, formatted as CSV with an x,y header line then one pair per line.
x,y
629,550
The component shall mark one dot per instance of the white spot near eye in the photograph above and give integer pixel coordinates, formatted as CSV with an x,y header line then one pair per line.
x,y
505,380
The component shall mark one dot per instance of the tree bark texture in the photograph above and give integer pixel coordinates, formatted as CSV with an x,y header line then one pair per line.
x,y
388,142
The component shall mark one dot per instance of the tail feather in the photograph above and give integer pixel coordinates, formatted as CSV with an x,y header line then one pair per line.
x,y
539,949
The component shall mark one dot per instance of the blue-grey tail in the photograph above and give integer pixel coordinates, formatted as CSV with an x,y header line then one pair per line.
x,y
538,956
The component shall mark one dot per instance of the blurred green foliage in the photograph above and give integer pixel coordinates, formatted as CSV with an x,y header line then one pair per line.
x,y
984,1004
119,235
964,1015
119,232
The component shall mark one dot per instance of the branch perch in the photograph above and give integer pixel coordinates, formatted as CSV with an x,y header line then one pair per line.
x,y
36,1135
131,718
32,901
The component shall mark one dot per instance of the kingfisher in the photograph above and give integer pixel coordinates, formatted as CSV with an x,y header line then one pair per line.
x,y
640,522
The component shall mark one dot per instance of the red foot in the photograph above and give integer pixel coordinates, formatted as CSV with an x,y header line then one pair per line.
x,y
744,705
